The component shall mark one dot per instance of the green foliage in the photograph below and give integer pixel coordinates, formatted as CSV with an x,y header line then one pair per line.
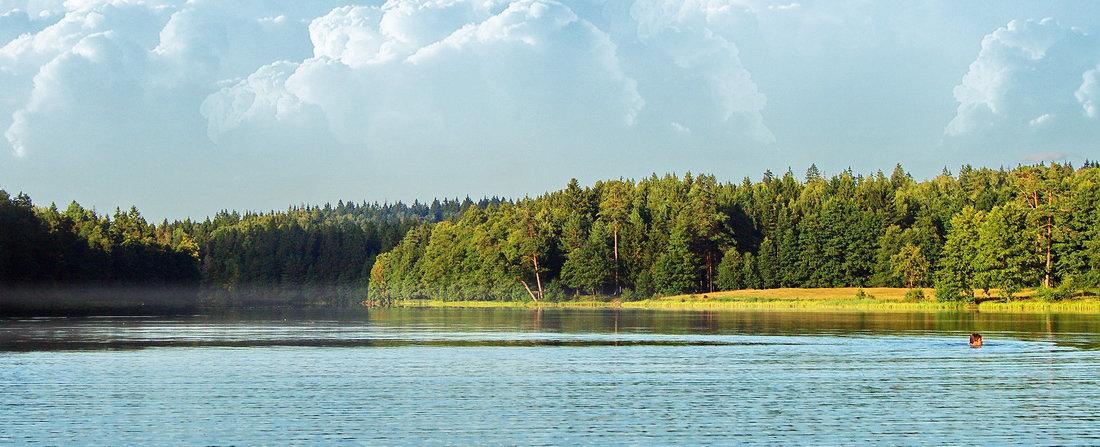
x,y
986,229
692,234
308,254
589,266
910,265
42,246
954,279
1079,246
677,268
950,292
749,273
1005,257
1043,192
767,264
1054,293
729,271
914,295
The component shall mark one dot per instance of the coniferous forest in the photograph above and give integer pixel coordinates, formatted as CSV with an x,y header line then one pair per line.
x,y
306,255
985,229
995,231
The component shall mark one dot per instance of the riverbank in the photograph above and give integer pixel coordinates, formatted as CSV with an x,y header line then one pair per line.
x,y
841,298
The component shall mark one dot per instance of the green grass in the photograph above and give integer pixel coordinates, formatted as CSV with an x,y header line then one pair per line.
x,y
1086,305
841,298
507,304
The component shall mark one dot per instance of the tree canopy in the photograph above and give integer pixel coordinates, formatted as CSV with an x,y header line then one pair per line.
x,y
983,229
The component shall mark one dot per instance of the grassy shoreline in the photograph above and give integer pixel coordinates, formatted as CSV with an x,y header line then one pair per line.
x,y
883,299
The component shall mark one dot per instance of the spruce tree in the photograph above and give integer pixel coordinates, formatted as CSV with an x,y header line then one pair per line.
x,y
729,275
590,266
676,269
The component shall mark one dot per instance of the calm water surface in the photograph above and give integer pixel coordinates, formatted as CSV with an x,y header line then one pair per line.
x,y
551,377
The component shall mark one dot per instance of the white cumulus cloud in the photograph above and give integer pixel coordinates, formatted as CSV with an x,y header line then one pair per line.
x,y
690,72
80,70
113,75
89,74
1089,93
426,76
1031,88
511,95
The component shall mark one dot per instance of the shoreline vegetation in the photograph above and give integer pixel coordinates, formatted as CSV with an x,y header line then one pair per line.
x,y
875,299
953,241
960,240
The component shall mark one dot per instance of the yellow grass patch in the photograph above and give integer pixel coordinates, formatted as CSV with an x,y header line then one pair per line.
x,y
800,294
840,298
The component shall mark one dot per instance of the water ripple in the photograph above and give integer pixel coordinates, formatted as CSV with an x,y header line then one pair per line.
x,y
492,380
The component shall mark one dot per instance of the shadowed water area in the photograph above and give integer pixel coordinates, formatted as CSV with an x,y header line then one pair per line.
x,y
551,377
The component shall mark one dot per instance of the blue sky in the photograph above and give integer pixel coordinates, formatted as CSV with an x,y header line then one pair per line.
x,y
184,108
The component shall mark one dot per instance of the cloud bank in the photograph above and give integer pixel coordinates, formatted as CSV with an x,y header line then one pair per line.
x,y
104,75
508,95
256,104
406,75
443,77
1031,92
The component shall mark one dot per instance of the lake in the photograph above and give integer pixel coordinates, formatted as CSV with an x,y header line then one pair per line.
x,y
551,377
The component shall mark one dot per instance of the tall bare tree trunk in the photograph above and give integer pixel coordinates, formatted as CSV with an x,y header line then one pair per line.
x,y
529,292
618,290
538,279
1050,243
710,271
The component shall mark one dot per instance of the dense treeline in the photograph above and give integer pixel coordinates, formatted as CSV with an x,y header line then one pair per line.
x,y
317,255
983,229
54,261
305,255
77,246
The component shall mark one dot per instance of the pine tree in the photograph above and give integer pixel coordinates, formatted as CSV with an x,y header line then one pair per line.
x,y
528,241
811,260
813,174
786,241
615,210
1042,191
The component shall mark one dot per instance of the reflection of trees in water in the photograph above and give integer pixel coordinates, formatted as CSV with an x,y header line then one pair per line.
x,y
1053,327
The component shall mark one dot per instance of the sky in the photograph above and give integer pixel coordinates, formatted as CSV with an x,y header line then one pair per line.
x,y
184,108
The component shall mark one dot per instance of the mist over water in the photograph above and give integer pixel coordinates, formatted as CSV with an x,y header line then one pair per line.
x,y
551,377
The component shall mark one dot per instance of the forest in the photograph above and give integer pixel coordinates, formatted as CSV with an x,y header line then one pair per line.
x,y
307,255
991,230
984,231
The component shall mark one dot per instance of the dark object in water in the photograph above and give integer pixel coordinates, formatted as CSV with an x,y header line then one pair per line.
x,y
975,340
